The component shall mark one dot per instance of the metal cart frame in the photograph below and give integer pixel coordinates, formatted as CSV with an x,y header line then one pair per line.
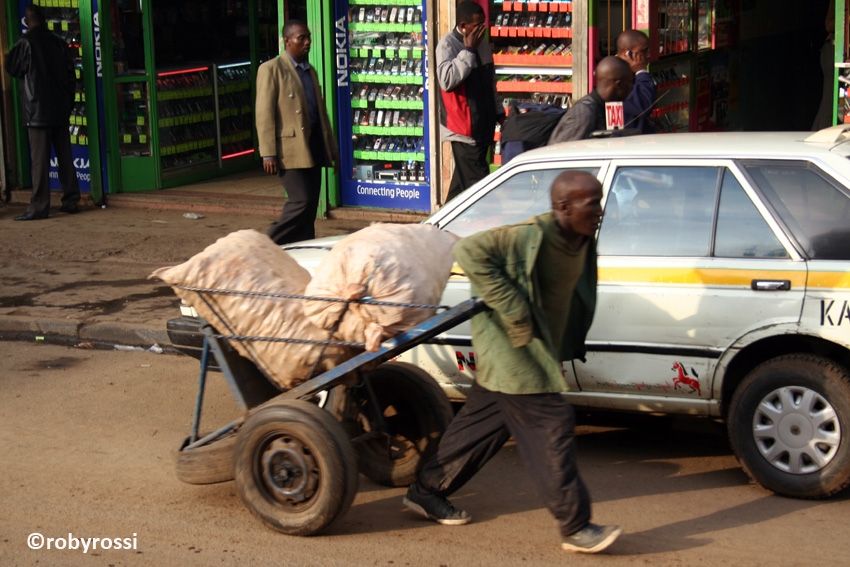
x,y
261,400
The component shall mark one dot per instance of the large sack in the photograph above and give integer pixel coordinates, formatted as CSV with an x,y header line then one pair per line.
x,y
249,261
391,262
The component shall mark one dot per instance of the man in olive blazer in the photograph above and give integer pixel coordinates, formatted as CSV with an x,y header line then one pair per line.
x,y
296,139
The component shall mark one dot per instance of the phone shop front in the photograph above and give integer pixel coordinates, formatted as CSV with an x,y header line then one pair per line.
x,y
165,88
758,65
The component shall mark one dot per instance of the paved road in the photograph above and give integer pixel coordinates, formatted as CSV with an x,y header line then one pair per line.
x,y
87,439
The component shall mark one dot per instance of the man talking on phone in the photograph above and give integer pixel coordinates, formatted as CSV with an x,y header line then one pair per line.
x,y
468,112
633,48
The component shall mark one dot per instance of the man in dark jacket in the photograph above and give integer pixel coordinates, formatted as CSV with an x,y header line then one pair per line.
x,y
613,83
539,280
44,63
468,112
633,48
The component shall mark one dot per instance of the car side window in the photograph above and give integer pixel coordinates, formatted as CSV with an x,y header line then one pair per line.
x,y
741,230
518,198
814,207
659,211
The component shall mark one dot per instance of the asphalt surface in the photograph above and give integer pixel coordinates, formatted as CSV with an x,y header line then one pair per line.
x,y
88,441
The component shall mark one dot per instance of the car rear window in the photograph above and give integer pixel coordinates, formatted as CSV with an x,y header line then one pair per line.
x,y
814,207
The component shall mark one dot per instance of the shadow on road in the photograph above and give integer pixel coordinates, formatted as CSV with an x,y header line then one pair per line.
x,y
621,458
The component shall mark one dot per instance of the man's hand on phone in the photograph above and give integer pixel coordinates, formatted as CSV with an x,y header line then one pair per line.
x,y
472,36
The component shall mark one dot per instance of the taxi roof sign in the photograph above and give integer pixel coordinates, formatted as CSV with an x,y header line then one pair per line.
x,y
831,135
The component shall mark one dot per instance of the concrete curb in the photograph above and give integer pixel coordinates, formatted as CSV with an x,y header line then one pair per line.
x,y
70,332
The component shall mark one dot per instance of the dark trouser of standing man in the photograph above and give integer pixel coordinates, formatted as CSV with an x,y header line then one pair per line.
x,y
543,426
470,166
303,188
296,222
41,140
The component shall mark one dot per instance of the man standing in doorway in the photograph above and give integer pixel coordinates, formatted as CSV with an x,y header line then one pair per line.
x,y
633,48
294,131
468,112
539,279
44,63
613,83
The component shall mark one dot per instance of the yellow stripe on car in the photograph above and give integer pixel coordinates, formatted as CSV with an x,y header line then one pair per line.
x,y
697,276
710,276
829,280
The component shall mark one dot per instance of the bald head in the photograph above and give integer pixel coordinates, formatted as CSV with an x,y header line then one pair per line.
x,y
633,48
630,39
568,181
612,68
614,79
576,203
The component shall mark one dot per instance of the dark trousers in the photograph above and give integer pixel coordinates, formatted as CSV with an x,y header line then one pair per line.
x,y
470,166
296,222
543,426
41,140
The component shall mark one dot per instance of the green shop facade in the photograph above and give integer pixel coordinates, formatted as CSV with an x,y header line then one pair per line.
x,y
165,88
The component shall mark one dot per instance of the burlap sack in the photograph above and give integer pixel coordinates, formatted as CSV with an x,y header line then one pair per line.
x,y
249,261
392,262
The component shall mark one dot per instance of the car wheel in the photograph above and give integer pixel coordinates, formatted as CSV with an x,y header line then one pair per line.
x,y
414,410
295,467
207,464
789,424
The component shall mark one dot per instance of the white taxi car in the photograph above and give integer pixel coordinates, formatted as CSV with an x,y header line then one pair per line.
x,y
724,288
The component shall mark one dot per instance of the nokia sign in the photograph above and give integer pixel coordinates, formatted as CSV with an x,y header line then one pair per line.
x,y
98,55
341,40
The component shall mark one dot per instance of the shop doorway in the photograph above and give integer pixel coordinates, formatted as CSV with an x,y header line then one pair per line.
x,y
731,64
780,69
179,78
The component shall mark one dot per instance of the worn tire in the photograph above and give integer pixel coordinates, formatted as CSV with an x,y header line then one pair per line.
x,y
295,467
207,464
325,419
416,412
789,424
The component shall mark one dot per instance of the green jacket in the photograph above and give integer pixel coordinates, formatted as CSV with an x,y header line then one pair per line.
x,y
512,344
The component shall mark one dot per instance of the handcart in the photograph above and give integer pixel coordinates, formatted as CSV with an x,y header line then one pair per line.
x,y
296,454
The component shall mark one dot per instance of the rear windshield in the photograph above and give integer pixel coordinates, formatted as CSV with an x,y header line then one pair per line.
x,y
814,207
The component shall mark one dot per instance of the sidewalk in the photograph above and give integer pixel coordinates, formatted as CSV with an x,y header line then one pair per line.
x,y
243,193
82,279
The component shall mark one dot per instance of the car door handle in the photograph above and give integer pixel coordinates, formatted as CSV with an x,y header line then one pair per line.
x,y
771,285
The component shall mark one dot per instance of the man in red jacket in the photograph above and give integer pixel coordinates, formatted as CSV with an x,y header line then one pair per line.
x,y
468,114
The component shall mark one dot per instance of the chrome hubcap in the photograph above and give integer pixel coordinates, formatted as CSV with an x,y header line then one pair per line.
x,y
796,430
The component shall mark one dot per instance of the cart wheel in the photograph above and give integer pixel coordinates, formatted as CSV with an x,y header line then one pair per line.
x,y
295,468
415,412
343,443
207,464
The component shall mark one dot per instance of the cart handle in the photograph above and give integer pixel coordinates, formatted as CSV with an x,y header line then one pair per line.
x,y
274,295
391,348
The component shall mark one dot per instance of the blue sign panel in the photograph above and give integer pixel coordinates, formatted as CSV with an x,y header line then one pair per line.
x,y
382,94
